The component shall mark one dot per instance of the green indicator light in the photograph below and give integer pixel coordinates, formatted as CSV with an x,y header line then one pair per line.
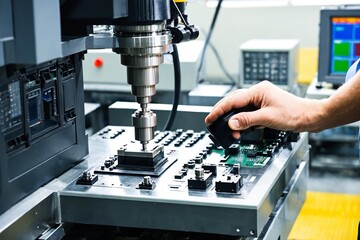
x,y
342,49
341,65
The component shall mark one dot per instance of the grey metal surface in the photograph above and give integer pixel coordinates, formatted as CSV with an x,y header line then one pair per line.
x,y
30,217
90,107
119,203
26,38
6,30
187,117
55,233
31,24
94,118
6,19
289,204
209,94
40,210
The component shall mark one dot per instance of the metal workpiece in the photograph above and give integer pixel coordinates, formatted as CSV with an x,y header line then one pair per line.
x,y
134,150
134,159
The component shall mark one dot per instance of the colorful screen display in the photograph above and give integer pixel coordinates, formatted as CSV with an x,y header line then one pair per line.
x,y
345,47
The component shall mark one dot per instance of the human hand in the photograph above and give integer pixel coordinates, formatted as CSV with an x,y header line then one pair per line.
x,y
277,109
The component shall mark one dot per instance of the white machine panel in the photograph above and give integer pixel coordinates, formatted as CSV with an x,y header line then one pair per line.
x,y
274,60
103,71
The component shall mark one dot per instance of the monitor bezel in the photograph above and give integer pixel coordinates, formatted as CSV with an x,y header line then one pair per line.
x,y
324,65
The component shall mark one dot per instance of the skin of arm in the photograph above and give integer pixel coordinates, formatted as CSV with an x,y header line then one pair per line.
x,y
281,110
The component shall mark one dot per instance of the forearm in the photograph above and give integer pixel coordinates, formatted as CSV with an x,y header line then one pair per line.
x,y
341,108
281,110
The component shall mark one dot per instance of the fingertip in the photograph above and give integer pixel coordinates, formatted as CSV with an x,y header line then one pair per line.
x,y
208,120
236,134
234,124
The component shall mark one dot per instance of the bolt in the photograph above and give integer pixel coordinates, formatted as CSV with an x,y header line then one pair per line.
x,y
199,173
147,180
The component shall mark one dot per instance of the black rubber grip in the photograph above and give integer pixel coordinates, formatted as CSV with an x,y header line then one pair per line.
x,y
221,133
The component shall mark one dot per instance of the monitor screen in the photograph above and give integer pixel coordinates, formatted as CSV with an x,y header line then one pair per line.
x,y
345,43
339,43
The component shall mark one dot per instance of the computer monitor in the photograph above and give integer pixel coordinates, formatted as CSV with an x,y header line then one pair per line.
x,y
339,44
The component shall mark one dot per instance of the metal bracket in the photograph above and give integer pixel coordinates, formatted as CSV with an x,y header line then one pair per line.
x,y
56,232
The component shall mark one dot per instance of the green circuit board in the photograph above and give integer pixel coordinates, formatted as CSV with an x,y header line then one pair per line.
x,y
246,157
245,161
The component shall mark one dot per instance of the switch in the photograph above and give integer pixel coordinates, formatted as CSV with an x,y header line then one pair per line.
x,y
147,183
98,62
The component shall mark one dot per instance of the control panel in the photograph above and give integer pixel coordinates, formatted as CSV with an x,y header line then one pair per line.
x,y
10,106
260,66
193,181
204,164
268,59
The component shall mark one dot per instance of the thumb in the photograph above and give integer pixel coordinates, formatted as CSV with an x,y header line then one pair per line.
x,y
245,120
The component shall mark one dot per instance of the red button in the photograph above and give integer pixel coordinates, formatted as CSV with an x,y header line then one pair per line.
x,y
99,62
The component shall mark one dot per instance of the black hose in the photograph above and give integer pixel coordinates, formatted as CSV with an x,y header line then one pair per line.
x,y
177,88
207,40
220,62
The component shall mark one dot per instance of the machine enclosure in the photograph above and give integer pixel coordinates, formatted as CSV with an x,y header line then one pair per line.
x,y
41,124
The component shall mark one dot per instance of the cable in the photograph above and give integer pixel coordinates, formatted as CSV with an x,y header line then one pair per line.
x,y
217,10
180,14
220,62
177,91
